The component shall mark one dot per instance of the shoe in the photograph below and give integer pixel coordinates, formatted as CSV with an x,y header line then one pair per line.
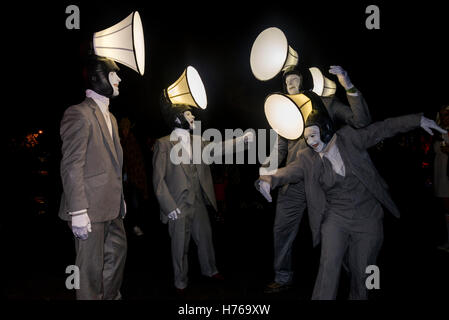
x,y
218,276
181,292
275,287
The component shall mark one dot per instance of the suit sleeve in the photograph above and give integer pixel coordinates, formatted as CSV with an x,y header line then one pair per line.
x,y
292,173
282,150
160,158
357,115
74,132
374,133
226,147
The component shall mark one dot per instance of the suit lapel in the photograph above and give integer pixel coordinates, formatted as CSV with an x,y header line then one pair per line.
x,y
183,165
118,146
104,129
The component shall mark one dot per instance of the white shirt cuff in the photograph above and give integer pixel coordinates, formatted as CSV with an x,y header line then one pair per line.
x,y
77,213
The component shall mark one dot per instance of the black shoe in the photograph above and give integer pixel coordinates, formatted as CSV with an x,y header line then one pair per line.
x,y
218,276
275,287
181,293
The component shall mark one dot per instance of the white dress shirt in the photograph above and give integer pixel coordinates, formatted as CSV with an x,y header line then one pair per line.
x,y
103,103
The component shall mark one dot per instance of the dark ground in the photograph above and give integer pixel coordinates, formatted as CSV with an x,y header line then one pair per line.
x,y
401,68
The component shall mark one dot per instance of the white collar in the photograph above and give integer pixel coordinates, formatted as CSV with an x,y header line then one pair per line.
x,y
183,133
330,149
102,101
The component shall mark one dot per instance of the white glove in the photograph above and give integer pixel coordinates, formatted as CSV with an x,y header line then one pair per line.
x,y
265,190
428,124
342,76
81,226
174,214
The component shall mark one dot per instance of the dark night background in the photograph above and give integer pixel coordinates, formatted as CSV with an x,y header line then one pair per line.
x,y
401,68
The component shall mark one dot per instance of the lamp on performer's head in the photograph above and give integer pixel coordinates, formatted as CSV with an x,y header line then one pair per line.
x,y
322,86
271,54
287,113
123,42
188,90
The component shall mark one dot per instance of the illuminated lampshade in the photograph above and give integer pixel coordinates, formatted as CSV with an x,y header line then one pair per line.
x,y
271,54
287,114
188,89
123,43
322,86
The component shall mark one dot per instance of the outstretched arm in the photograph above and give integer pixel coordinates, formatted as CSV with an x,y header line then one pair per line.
x,y
292,173
373,134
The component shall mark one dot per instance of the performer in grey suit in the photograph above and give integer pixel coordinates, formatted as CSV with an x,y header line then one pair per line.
x,y
291,201
345,195
91,171
183,191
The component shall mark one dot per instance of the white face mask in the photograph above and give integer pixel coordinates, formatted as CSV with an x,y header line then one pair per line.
x,y
114,81
313,139
293,83
190,119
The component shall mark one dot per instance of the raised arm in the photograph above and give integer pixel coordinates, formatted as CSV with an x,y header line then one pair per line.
x,y
357,114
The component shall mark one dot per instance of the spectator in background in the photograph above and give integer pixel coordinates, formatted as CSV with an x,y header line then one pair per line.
x,y
441,178
134,176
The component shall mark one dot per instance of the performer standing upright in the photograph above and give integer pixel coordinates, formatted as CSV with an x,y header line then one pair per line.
x,y
183,191
91,171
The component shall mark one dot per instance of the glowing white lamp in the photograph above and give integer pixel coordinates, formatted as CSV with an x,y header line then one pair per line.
x,y
270,54
123,42
287,114
188,89
322,86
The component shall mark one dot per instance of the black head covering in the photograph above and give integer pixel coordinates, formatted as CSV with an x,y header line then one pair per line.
x,y
96,74
171,112
320,117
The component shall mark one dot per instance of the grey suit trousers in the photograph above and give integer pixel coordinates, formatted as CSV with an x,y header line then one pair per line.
x,y
101,261
361,239
193,222
290,208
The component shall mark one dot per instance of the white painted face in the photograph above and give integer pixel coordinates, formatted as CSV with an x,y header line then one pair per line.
x,y
114,81
190,119
293,82
312,137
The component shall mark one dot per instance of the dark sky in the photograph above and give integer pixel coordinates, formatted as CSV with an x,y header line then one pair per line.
x,y
401,68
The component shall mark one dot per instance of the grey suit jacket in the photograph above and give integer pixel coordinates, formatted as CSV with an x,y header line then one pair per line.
x,y
354,143
171,183
91,165
356,115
